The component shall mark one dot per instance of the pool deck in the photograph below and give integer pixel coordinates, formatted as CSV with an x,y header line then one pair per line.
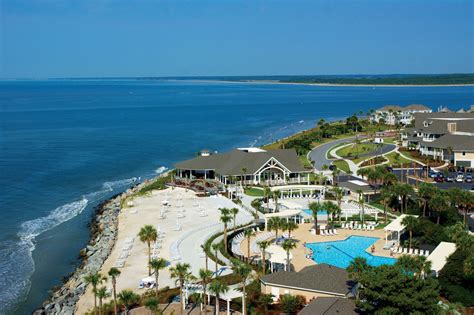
x,y
302,235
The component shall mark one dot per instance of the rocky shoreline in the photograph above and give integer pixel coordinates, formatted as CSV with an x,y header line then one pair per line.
x,y
104,228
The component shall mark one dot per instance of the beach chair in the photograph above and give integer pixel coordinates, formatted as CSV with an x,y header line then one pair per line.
x,y
399,250
334,231
323,232
405,251
330,232
426,253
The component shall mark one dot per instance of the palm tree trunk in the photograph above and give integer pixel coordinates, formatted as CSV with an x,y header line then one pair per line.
x,y
207,257
411,233
149,258
204,297
95,301
244,310
181,296
115,296
263,262
100,306
248,249
424,208
217,304
288,261
215,253
156,283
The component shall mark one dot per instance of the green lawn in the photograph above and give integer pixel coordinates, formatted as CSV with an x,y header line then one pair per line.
x,y
330,156
351,151
304,160
392,158
342,165
254,192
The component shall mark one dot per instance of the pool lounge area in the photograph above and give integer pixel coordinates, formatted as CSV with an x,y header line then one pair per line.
x,y
341,253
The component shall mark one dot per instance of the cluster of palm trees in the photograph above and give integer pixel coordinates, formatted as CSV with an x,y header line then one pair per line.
x,y
333,209
227,216
279,224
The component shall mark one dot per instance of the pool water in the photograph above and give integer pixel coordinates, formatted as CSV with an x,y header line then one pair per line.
x,y
341,253
320,212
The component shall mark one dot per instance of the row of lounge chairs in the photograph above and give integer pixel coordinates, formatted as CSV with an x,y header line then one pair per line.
x,y
236,242
330,232
262,237
124,253
410,251
303,196
356,226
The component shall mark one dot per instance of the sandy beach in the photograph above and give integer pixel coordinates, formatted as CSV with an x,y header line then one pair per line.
x,y
197,218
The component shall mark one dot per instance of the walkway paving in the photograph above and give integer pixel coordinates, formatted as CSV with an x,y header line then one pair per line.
x,y
319,154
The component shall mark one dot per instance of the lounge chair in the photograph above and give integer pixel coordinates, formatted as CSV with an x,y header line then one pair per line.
x,y
323,232
399,250
427,253
334,231
405,251
330,232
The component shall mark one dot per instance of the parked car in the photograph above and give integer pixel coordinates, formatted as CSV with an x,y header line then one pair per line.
x,y
438,179
468,179
460,169
433,174
451,169
449,179
469,170
460,178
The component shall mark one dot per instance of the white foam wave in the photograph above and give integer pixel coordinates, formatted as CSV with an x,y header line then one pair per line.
x,y
32,228
161,169
119,183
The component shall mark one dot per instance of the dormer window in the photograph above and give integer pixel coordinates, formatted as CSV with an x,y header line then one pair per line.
x,y
425,124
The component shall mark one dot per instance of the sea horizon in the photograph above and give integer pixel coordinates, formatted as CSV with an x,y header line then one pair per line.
x,y
69,145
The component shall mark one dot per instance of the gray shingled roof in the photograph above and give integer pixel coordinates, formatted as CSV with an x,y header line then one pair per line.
x,y
438,122
320,278
232,163
416,107
456,142
386,108
329,306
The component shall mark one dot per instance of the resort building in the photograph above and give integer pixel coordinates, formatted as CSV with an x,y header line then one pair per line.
x,y
442,136
249,166
394,114
311,282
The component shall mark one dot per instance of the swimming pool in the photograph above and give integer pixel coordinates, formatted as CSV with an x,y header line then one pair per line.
x,y
341,253
320,212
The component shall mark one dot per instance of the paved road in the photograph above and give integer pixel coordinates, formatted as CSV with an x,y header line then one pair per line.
x,y
318,154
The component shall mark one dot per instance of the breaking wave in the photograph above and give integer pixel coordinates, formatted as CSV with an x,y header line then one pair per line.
x,y
161,169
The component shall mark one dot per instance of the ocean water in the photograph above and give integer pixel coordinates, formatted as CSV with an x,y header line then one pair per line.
x,y
67,145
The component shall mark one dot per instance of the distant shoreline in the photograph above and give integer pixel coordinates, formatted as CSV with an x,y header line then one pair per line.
x,y
337,84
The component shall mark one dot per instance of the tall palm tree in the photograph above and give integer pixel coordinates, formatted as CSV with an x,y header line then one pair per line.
x,y
357,267
315,207
158,264
218,287
425,192
205,276
248,233
113,274
439,203
216,247
225,218
234,212
95,279
410,223
206,247
182,274
331,209
148,234
152,304
243,271
263,246
101,294
290,226
386,195
361,203
288,245
274,224
266,195
338,195
276,195
128,298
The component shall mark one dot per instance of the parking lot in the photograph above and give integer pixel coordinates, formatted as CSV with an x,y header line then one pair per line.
x,y
443,184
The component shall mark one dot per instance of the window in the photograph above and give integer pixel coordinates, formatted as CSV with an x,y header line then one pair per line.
x,y
464,153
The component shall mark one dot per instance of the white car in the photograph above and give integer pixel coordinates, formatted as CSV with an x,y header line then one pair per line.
x,y
460,178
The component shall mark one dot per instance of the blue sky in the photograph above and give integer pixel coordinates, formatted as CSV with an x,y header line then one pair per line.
x,y
77,38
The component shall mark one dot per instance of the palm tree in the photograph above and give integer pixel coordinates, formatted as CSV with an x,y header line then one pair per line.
x,y
218,287
95,279
263,245
113,274
266,195
410,223
386,196
128,298
274,224
338,195
216,247
101,294
331,209
244,172
234,212
158,264
182,274
205,276
225,218
243,271
290,226
357,267
206,247
439,203
152,304
361,203
148,234
315,207
265,300
276,195
288,245
248,233
425,192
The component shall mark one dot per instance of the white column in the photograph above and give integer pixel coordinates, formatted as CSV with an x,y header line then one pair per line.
x,y
228,307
